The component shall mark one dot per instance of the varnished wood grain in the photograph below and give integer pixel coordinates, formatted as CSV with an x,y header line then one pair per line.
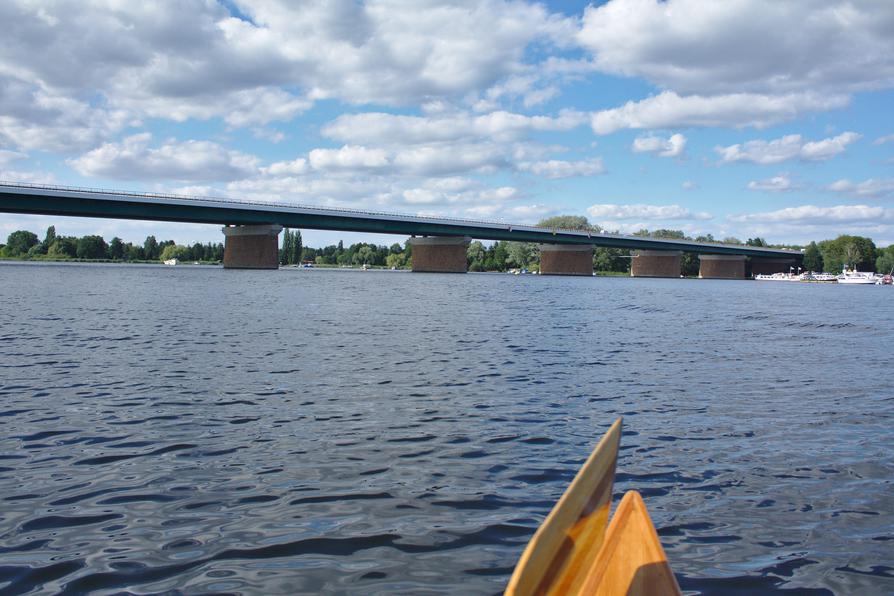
x,y
564,548
631,561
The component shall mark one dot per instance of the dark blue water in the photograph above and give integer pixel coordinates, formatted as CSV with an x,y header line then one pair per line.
x,y
205,430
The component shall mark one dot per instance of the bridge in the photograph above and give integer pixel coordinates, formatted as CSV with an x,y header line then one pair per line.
x,y
251,231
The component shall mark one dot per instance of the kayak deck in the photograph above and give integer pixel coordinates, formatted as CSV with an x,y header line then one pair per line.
x,y
573,552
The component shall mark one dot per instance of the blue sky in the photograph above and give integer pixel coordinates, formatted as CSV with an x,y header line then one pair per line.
x,y
737,118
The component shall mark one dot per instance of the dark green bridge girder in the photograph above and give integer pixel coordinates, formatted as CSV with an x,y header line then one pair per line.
x,y
46,200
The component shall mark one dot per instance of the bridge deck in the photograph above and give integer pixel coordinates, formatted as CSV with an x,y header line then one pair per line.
x,y
83,202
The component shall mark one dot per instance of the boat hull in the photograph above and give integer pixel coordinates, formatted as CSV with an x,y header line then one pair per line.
x,y
574,553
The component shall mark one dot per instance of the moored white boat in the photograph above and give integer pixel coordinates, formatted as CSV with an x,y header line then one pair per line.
x,y
819,277
854,277
777,277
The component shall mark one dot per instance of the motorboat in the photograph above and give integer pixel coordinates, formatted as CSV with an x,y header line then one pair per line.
x,y
854,277
171,261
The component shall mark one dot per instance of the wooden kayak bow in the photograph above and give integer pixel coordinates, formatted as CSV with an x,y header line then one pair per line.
x,y
574,553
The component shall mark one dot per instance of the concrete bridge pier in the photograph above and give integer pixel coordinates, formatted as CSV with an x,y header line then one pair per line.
x,y
760,266
566,259
251,247
656,263
440,254
721,266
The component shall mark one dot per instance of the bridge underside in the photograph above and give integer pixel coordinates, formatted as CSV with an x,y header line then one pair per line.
x,y
761,266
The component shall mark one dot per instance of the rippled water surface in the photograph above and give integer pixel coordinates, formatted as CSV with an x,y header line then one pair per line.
x,y
292,431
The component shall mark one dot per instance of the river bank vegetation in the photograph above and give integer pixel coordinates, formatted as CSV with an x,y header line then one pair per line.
x,y
827,255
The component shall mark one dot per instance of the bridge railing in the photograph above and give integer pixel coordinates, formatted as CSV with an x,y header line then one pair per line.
x,y
231,201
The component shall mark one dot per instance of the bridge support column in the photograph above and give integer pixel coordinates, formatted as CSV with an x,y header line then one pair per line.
x,y
761,266
721,266
251,247
656,263
566,259
440,254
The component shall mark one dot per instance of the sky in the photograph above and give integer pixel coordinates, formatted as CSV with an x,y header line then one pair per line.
x,y
737,118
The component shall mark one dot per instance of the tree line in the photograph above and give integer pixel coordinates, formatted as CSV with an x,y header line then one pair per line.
x,y
827,255
25,244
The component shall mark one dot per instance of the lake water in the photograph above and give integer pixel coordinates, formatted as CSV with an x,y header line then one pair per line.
x,y
304,431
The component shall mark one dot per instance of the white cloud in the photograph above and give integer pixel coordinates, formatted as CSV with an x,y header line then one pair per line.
x,y
670,110
555,168
688,185
268,134
740,62
673,146
176,61
454,196
31,177
811,214
7,157
296,167
644,212
442,160
804,223
34,117
349,157
134,159
389,129
512,214
883,139
780,183
787,148
875,188
745,46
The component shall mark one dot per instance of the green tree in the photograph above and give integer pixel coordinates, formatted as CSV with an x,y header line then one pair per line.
x,y
92,247
689,264
135,253
174,251
116,248
813,260
568,222
396,260
848,251
64,247
476,254
500,257
48,240
521,254
150,248
286,249
296,248
611,259
20,242
197,252
668,234
885,261
756,241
